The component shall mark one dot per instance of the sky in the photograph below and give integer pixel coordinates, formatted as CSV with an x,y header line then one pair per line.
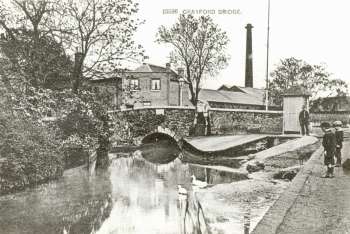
x,y
316,31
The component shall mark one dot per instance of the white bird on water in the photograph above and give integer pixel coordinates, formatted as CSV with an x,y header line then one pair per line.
x,y
181,190
198,183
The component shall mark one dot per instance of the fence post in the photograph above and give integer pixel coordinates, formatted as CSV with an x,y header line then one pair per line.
x,y
246,219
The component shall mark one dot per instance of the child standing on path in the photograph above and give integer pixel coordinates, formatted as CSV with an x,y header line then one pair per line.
x,y
339,135
329,144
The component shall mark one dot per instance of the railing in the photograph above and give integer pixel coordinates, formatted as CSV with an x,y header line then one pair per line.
x,y
154,107
246,110
193,108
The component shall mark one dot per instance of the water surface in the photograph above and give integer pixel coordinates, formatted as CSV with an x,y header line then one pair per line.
x,y
132,196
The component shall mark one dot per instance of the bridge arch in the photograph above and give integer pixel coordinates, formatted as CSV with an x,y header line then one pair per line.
x,y
160,134
157,137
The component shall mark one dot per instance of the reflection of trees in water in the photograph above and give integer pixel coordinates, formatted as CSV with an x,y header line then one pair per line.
x,y
138,185
137,167
90,217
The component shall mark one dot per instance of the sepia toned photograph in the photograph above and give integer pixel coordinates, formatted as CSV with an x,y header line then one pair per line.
x,y
174,117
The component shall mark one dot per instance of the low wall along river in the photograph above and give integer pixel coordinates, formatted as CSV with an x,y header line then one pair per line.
x,y
136,123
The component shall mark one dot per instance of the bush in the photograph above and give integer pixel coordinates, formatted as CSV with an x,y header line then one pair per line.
x,y
30,152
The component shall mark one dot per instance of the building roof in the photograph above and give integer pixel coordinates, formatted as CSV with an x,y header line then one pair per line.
x,y
144,68
151,68
234,94
210,95
224,87
253,91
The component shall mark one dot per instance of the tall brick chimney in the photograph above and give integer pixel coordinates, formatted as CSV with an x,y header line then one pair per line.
x,y
249,58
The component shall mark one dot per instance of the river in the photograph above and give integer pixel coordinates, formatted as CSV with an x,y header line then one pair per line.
x,y
132,196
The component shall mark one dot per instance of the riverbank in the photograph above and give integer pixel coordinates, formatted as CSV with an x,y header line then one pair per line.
x,y
225,205
312,204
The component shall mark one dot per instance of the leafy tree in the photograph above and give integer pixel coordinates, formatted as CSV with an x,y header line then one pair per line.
x,y
36,57
199,46
47,66
30,151
314,78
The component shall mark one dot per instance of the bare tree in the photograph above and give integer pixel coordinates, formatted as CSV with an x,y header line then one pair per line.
x,y
101,31
199,46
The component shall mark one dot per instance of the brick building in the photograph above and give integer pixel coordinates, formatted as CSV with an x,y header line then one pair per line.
x,y
151,85
147,85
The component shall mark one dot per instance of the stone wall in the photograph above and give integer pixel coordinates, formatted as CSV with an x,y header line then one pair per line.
x,y
132,125
317,118
245,121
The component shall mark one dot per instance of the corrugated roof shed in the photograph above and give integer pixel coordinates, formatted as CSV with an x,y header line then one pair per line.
x,y
210,95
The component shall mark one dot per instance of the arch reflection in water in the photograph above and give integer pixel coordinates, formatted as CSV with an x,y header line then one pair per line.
x,y
159,148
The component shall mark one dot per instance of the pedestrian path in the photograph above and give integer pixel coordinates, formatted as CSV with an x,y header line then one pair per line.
x,y
321,205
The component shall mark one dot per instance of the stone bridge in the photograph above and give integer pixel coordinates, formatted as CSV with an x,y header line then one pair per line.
x,y
146,124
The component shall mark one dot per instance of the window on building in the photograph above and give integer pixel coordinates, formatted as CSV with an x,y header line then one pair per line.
x,y
134,84
155,84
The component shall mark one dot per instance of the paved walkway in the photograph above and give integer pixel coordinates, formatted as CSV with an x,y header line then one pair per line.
x,y
322,205
288,146
217,143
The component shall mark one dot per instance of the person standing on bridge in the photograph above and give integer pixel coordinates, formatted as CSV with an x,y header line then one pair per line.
x,y
304,121
329,144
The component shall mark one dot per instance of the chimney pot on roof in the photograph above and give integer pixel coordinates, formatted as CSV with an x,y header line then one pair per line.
x,y
145,60
167,66
180,72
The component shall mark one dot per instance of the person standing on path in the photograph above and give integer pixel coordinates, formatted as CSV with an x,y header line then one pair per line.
x,y
329,144
304,121
339,136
